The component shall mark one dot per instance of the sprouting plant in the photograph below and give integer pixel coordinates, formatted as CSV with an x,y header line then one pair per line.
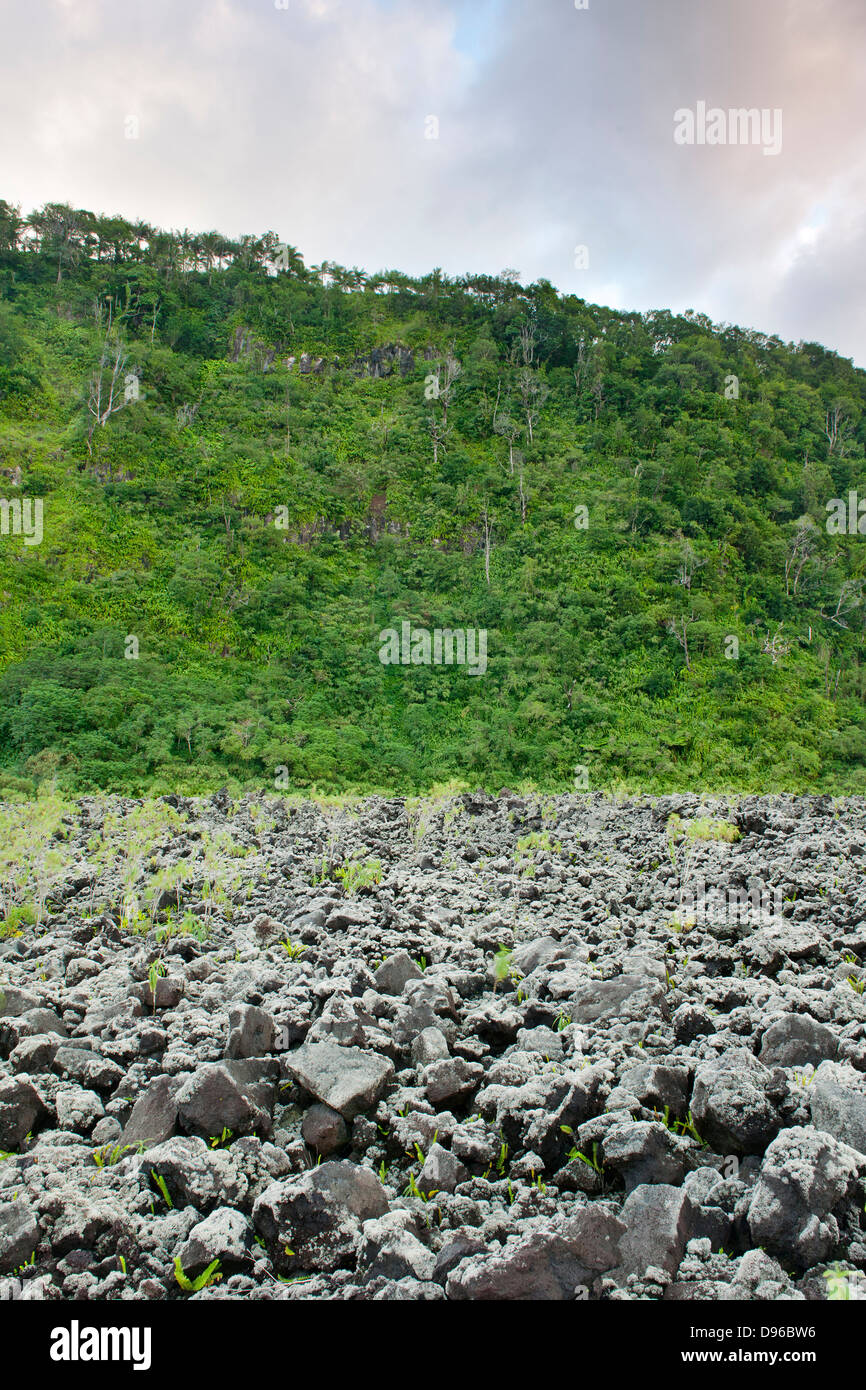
x,y
538,1184
562,1021
109,1154
202,1281
383,1172
293,952
412,1190
221,1141
857,985
355,874
503,968
163,1187
156,972
501,1160
27,1264
122,1263
421,963
511,1197
525,853
584,1158
687,1126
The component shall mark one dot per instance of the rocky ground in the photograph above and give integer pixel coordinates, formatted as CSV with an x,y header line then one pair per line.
x,y
482,1048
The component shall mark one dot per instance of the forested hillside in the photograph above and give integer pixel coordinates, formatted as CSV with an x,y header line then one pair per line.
x,y
249,469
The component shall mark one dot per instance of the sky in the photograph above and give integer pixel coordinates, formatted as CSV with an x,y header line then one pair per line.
x,y
473,135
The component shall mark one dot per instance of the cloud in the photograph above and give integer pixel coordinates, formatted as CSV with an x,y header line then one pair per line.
x,y
555,129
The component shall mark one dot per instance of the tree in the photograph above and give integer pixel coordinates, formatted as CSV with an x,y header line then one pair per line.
x,y
488,540
800,548
679,626
60,232
106,394
533,391
11,226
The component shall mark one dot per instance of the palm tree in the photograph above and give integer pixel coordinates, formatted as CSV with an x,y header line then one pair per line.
x,y
210,243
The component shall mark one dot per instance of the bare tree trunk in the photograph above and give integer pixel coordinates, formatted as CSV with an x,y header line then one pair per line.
x,y
488,533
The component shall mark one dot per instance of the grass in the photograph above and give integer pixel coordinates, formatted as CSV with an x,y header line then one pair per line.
x,y
109,1154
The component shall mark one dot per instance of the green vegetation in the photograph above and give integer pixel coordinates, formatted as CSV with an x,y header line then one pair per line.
x,y
294,952
202,1281
632,506
503,969
356,874
163,1187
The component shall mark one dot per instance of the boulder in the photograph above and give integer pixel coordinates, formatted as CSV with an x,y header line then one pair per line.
x,y
348,1079
804,1177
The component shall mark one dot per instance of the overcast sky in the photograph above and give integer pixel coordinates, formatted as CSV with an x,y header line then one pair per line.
x,y
555,130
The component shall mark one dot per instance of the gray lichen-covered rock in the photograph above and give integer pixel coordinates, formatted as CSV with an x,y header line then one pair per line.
x,y
731,1105
154,1115
19,1234
348,1079
211,1101
224,1235
251,1032
314,1221
658,1222
324,1129
442,1171
804,1176
797,1039
396,972
21,1110
645,1152
837,1101
548,1263
195,1174
627,997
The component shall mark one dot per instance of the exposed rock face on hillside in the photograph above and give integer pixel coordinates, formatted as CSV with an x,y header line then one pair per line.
x,y
543,1049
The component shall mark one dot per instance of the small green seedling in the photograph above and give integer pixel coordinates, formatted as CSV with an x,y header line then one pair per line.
x,y
202,1281
161,1184
293,952
156,972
